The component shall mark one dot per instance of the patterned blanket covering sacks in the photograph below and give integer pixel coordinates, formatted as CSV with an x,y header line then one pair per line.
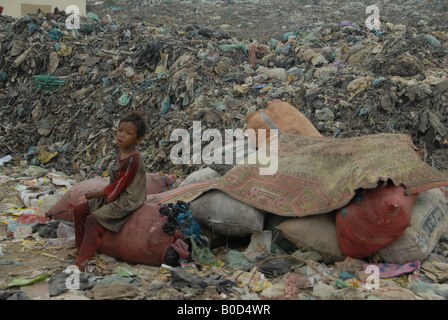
x,y
320,174
373,220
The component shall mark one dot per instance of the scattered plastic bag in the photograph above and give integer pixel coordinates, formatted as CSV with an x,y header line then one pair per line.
x,y
237,259
203,255
5,159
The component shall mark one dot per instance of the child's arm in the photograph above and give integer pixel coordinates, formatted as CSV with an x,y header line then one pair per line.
x,y
128,170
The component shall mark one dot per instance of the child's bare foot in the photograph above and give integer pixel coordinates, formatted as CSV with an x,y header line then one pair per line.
x,y
81,266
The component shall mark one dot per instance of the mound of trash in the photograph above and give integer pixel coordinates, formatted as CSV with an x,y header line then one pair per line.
x,y
63,90
223,232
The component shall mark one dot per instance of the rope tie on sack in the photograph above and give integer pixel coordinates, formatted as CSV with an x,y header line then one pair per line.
x,y
269,122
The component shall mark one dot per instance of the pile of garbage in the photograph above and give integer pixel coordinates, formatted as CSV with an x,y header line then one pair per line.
x,y
63,91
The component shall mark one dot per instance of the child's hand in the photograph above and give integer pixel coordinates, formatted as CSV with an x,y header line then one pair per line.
x,y
93,194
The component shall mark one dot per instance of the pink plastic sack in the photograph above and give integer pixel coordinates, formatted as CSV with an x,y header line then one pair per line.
x,y
141,240
27,218
63,209
156,182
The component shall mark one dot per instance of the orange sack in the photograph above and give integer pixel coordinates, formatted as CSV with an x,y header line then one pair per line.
x,y
282,116
373,220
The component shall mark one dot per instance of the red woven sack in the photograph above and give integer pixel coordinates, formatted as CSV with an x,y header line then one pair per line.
x,y
141,240
372,221
63,209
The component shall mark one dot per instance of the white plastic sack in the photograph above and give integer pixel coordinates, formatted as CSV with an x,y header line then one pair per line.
x,y
317,232
202,175
227,216
429,221
5,159
66,237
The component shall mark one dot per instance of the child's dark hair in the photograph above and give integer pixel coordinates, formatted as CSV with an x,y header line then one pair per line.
x,y
138,119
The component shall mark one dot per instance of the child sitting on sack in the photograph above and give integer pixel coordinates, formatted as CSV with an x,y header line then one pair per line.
x,y
110,208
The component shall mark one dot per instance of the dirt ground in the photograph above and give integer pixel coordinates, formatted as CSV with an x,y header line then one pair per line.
x,y
31,260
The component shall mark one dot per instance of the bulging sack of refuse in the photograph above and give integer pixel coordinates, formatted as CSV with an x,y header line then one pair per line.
x,y
157,182
282,116
227,216
63,209
429,221
317,232
373,220
233,153
141,240
202,175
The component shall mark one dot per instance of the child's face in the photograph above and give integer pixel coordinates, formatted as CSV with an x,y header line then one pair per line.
x,y
126,135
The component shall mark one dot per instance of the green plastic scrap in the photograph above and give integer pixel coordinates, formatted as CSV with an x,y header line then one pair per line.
x,y
116,278
25,282
124,100
9,262
338,283
165,106
421,286
231,47
378,81
203,255
93,16
126,271
431,40
86,28
48,83
289,34
273,42
237,260
97,163
312,37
